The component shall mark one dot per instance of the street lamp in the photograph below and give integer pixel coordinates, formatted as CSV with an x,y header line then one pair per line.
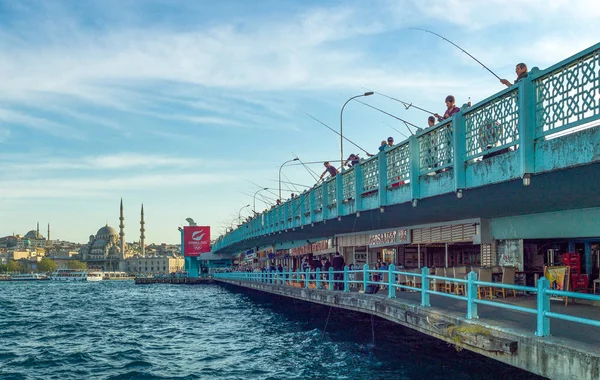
x,y
240,214
295,159
368,93
254,198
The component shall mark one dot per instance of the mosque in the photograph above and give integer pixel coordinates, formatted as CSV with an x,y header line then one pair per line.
x,y
34,239
107,249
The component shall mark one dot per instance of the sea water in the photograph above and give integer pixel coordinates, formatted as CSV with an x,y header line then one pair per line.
x,y
119,330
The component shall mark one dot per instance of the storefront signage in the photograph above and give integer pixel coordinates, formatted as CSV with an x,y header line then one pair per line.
x,y
389,238
250,254
265,252
196,240
316,247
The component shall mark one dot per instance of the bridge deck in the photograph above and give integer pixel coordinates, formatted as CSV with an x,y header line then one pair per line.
x,y
572,352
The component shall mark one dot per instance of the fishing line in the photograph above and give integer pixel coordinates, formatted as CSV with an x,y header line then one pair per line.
x,y
461,49
406,105
336,132
290,182
306,167
396,130
373,330
326,322
389,114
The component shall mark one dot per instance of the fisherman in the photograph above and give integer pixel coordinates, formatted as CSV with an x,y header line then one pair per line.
x,y
329,169
338,266
521,70
451,109
352,160
431,121
383,146
390,141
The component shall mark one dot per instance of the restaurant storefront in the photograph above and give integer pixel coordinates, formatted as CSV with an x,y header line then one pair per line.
x,y
353,248
384,245
312,251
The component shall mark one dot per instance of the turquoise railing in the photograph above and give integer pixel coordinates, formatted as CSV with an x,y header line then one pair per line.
x,y
560,98
422,282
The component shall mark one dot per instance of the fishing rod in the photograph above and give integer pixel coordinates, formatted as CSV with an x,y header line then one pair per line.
x,y
306,167
389,114
292,183
406,105
313,162
405,136
257,185
336,132
461,49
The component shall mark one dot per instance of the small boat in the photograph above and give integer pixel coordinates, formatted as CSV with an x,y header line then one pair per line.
x,y
75,275
28,277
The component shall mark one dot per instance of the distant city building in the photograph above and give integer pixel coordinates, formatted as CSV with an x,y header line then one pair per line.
x,y
158,264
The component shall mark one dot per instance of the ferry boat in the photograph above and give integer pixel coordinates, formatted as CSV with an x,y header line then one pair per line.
x,y
117,276
75,275
28,277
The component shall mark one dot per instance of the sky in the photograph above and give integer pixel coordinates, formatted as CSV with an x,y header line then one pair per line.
x,y
190,107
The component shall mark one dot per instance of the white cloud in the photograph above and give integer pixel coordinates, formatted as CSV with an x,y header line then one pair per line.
x,y
67,188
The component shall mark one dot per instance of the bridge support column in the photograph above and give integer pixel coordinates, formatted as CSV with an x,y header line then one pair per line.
x,y
346,287
460,151
543,306
365,277
391,281
527,127
382,178
587,252
339,193
415,167
471,295
425,287
312,206
358,188
324,205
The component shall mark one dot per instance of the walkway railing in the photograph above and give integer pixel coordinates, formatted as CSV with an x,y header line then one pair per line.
x,y
559,99
422,282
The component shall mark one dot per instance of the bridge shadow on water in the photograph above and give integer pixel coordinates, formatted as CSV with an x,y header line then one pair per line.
x,y
389,348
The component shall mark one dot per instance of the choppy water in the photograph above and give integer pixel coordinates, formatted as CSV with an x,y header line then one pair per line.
x,y
117,330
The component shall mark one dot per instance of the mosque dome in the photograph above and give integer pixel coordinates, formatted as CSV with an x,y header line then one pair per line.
x,y
33,234
99,243
106,231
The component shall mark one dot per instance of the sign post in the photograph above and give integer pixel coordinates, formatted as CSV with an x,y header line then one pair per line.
x,y
196,240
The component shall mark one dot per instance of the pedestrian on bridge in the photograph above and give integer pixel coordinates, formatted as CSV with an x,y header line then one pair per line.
x,y
338,266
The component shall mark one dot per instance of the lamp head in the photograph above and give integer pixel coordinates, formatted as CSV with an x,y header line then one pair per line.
x,y
368,93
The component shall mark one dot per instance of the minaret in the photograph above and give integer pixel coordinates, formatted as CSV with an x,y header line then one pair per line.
x,y
48,232
142,230
38,230
122,230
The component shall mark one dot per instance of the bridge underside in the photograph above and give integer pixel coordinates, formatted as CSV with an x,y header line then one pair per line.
x,y
575,188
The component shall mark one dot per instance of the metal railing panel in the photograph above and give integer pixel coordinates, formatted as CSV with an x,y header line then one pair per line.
x,y
567,93
493,125
398,164
436,148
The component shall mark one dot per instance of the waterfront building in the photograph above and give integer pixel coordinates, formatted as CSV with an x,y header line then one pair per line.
x,y
156,264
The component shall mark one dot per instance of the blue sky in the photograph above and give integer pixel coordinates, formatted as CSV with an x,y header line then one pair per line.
x,y
178,104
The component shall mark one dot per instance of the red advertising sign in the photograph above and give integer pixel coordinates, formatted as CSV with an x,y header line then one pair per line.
x,y
196,240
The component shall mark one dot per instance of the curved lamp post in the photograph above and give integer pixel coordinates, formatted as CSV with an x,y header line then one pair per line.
x,y
295,159
240,213
368,93
254,198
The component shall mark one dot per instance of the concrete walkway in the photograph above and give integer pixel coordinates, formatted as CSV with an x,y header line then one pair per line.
x,y
515,320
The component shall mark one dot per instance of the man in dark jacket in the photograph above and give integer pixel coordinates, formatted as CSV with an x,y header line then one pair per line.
x,y
338,265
